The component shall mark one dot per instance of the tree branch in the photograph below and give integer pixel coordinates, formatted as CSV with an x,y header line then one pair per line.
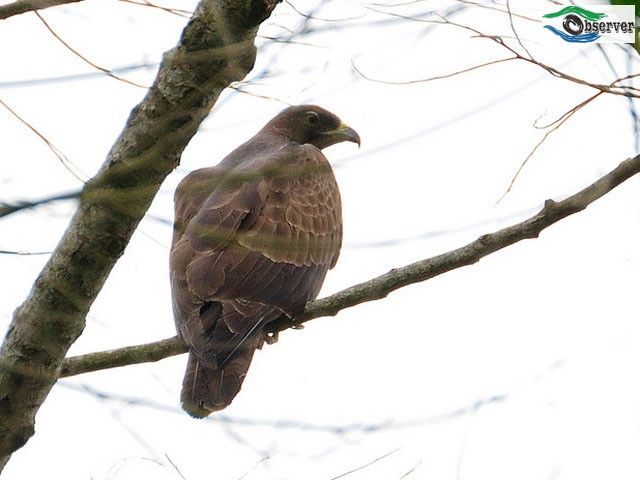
x,y
216,48
120,357
9,208
383,285
24,6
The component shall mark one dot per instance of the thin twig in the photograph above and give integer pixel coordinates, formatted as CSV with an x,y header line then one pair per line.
x,y
497,9
174,11
430,79
409,472
515,32
106,71
555,126
375,460
66,163
320,19
385,425
611,88
175,467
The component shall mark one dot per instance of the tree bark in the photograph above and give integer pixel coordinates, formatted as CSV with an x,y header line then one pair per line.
x,y
216,48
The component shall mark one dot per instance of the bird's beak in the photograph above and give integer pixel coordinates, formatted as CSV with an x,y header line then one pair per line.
x,y
344,133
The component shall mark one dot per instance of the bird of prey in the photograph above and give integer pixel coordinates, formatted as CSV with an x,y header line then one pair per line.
x,y
253,240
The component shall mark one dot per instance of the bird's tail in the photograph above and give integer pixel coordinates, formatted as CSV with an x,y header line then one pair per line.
x,y
206,390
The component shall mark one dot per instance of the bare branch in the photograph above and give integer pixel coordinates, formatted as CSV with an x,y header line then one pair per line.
x,y
120,357
382,457
430,79
296,424
515,32
66,163
555,125
411,470
612,88
497,9
106,71
7,208
383,285
313,17
22,253
24,6
174,11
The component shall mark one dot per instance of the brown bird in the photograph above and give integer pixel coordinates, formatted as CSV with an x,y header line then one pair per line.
x,y
253,239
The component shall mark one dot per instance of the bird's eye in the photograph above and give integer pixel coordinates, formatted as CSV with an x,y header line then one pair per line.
x,y
313,118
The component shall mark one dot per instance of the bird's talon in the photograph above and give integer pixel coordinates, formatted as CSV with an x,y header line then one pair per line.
x,y
272,338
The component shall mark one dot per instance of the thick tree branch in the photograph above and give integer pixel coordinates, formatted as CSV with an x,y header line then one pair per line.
x,y
24,6
383,285
215,49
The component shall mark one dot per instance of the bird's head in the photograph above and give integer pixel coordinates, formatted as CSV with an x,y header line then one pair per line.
x,y
313,125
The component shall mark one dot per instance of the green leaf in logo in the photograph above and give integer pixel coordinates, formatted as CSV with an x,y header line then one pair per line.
x,y
588,14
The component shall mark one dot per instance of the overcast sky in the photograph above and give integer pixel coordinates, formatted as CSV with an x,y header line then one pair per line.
x,y
523,366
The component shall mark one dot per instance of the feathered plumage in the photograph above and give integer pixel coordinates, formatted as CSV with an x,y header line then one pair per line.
x,y
253,239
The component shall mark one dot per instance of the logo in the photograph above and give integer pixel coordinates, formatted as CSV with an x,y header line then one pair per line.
x,y
579,25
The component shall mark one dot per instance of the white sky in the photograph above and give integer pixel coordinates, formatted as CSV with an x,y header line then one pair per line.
x,y
542,337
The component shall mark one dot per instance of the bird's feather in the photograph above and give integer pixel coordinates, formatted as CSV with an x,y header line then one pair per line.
x,y
253,240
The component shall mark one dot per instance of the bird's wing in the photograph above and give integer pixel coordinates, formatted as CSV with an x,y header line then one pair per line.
x,y
301,218
191,193
265,234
